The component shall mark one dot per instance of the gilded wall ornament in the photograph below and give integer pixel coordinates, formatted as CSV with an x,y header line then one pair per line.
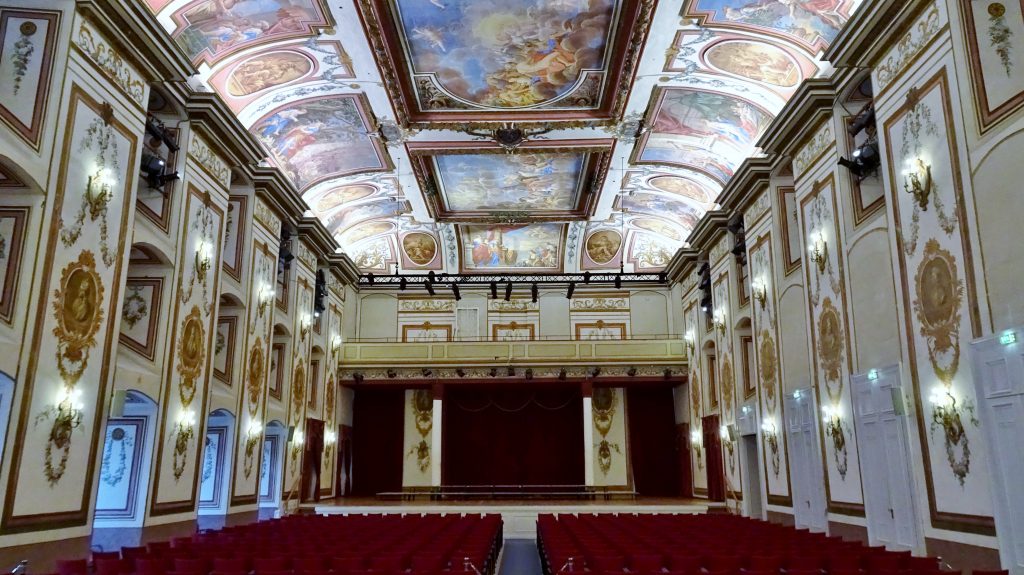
x,y
836,431
202,261
254,377
22,53
948,414
728,382
298,392
604,403
772,441
191,351
422,405
939,293
830,348
135,307
919,133
78,310
767,368
179,457
1000,36
100,143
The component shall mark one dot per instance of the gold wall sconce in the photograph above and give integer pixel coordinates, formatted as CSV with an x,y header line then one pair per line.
x,y
266,296
99,190
204,257
691,342
819,250
252,438
948,413
918,183
298,440
760,291
771,438
719,320
184,431
698,447
304,325
66,413
832,418
330,439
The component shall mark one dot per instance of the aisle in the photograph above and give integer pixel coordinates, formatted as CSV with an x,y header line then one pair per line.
x,y
520,558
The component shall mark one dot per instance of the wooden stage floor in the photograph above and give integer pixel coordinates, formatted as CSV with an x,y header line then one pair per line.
x,y
520,516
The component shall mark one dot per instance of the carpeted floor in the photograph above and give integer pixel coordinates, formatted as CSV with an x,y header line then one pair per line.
x,y
520,558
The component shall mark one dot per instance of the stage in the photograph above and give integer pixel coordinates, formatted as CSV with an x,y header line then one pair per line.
x,y
519,516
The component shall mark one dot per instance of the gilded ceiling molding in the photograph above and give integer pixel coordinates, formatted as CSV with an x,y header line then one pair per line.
x,y
266,216
209,160
822,141
926,27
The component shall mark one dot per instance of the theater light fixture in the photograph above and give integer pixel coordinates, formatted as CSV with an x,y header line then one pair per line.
x,y
864,161
534,292
402,284
455,290
494,290
618,281
430,288
572,288
320,293
508,291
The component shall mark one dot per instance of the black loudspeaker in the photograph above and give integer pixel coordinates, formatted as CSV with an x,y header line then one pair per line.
x,y
291,432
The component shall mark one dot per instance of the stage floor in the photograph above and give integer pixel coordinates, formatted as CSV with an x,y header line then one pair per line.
x,y
520,516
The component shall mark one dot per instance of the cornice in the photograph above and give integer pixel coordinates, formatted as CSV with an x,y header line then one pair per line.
x,y
870,32
683,263
751,177
708,230
313,231
212,117
139,38
343,265
278,192
800,117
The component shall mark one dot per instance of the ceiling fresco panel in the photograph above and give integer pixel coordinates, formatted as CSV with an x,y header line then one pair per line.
x,y
532,248
488,60
813,23
322,138
468,182
208,30
699,129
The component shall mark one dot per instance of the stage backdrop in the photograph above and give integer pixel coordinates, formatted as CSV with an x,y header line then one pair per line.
x,y
510,436
377,441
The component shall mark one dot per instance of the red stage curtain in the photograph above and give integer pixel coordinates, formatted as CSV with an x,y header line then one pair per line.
x,y
377,436
513,436
652,441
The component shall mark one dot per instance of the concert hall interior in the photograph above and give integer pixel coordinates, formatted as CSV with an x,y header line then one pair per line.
x,y
511,287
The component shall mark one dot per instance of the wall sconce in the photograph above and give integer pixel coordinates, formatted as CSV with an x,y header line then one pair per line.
x,y
760,288
184,431
304,324
252,438
719,320
819,250
67,417
726,433
266,295
698,447
335,343
831,417
99,189
691,341
918,182
948,413
771,438
330,438
204,257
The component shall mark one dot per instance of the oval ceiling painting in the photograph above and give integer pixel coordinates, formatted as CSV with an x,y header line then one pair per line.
x,y
755,61
367,230
420,248
266,71
659,227
343,195
602,246
680,186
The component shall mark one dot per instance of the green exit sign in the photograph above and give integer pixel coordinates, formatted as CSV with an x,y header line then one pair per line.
x,y
1008,338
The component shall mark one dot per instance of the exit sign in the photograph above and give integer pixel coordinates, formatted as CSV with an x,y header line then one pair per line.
x,y
1008,338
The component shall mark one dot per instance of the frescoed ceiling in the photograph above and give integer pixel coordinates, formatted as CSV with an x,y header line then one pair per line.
x,y
387,116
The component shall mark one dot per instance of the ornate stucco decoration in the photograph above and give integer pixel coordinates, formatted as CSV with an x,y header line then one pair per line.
x,y
719,250
931,21
265,215
304,254
209,161
109,474
767,369
98,49
203,222
761,205
254,381
426,305
604,403
600,304
417,374
813,150
101,143
298,393
831,345
515,305
191,351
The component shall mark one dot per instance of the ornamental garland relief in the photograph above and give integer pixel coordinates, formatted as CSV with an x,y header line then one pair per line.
x,y
101,144
191,351
422,405
202,263
604,403
78,311
254,377
939,292
298,392
767,363
830,356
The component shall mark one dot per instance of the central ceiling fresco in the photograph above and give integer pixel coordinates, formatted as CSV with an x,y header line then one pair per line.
x,y
393,117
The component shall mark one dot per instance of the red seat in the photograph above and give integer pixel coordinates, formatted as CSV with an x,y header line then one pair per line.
x,y
114,566
646,562
765,563
133,552
844,562
606,562
199,565
229,564
723,562
264,564
684,563
804,563
72,567
309,563
105,555
347,564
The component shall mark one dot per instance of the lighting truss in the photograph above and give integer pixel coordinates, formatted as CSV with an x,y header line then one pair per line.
x,y
484,281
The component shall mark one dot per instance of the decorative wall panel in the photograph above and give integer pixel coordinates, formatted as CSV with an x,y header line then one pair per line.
x,y
12,240
611,456
940,302
140,314
419,448
27,42
830,347
81,275
121,468
224,348
234,236
995,31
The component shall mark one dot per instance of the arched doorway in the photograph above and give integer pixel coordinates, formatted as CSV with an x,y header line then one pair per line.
x,y
128,442
217,450
274,439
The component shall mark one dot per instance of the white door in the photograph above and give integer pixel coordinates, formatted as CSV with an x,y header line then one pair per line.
x,y
883,444
808,477
998,364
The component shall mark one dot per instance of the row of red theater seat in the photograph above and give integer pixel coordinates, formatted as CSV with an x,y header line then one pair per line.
x,y
709,545
316,545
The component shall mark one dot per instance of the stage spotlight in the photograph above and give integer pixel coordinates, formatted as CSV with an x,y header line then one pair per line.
x,y
357,377
865,160
430,288
320,293
586,277
618,281
403,283
508,291
528,373
533,292
431,277
369,278
561,374
455,290
494,290
572,288
511,371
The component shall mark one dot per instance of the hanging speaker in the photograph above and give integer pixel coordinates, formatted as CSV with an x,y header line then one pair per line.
x,y
117,401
